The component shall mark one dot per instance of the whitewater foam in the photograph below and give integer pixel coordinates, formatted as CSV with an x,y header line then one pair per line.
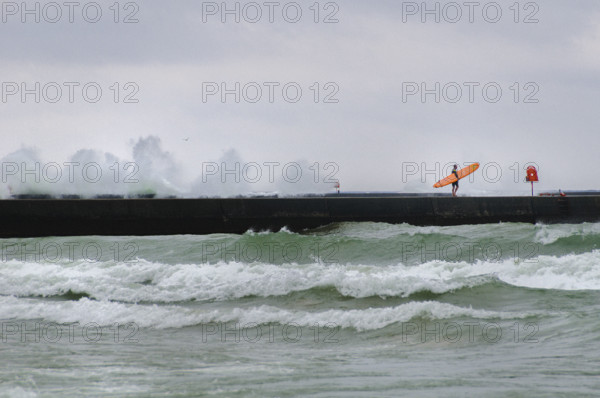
x,y
104,313
548,234
145,281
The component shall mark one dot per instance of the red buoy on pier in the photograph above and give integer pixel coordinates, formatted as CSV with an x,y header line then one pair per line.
x,y
532,176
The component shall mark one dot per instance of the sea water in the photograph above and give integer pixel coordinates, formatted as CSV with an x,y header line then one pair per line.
x,y
347,310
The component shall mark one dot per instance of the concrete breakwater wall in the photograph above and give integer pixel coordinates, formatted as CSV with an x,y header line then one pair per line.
x,y
76,217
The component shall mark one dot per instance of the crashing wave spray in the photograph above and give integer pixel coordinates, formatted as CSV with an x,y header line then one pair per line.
x,y
153,172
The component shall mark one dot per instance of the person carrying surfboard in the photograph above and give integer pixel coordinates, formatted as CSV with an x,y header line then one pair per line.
x,y
455,176
455,183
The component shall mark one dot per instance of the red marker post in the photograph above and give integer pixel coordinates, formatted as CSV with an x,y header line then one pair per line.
x,y
532,176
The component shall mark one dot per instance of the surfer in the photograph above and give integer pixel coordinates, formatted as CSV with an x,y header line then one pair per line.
x,y
455,176
455,183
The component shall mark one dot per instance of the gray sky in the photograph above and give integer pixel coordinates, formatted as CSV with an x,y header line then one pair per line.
x,y
370,126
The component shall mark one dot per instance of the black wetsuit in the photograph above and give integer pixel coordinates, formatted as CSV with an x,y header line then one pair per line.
x,y
455,183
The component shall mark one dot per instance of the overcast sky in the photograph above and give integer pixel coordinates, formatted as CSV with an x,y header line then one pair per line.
x,y
507,83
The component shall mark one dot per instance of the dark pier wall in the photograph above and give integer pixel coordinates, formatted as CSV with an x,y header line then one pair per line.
x,y
72,217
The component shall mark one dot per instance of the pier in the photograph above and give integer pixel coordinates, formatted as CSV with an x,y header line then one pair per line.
x,y
115,216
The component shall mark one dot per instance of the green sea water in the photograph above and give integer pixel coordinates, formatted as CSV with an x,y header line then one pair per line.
x,y
348,310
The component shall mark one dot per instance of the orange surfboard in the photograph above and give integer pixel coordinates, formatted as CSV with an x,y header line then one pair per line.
x,y
462,173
